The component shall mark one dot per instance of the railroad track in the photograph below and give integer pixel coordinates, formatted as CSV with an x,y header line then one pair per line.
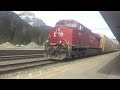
x,y
20,52
15,64
21,66
11,65
11,68
13,61
11,57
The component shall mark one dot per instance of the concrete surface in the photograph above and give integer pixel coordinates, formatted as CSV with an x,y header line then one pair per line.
x,y
105,66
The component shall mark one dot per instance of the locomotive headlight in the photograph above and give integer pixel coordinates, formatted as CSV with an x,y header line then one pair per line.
x,y
47,41
60,41
58,29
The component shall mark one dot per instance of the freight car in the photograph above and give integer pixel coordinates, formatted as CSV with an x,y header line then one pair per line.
x,y
107,45
69,39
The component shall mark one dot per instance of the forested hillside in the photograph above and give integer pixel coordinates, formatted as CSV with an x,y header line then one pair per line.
x,y
16,31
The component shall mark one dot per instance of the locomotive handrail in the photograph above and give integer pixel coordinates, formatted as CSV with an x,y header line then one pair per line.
x,y
65,41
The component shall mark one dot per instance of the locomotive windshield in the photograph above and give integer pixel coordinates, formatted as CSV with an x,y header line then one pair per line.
x,y
71,24
60,24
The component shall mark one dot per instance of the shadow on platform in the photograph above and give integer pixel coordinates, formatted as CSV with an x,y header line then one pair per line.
x,y
112,67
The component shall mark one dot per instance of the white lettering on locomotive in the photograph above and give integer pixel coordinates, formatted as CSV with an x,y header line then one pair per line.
x,y
55,34
59,33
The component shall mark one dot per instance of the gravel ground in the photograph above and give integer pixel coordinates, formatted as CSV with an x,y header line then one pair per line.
x,y
98,67
22,65
9,46
22,68
43,67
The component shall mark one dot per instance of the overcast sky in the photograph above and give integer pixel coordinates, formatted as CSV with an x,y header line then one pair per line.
x,y
91,19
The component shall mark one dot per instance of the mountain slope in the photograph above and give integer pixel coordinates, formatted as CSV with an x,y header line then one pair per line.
x,y
15,30
9,24
31,19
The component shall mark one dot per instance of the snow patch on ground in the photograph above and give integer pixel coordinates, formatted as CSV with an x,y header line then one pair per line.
x,y
7,45
31,45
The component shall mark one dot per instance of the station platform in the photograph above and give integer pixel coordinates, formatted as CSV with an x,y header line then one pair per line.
x,y
105,66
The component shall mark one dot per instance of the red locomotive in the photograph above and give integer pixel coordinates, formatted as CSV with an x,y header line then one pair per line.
x,y
70,39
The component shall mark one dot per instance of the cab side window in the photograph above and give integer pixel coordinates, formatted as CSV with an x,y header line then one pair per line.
x,y
82,28
79,27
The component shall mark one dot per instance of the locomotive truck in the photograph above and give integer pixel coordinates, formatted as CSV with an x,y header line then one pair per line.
x,y
70,39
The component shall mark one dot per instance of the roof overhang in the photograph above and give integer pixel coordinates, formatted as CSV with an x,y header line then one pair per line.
x,y
112,18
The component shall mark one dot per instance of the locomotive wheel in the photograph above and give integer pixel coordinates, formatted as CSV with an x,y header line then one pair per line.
x,y
84,53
